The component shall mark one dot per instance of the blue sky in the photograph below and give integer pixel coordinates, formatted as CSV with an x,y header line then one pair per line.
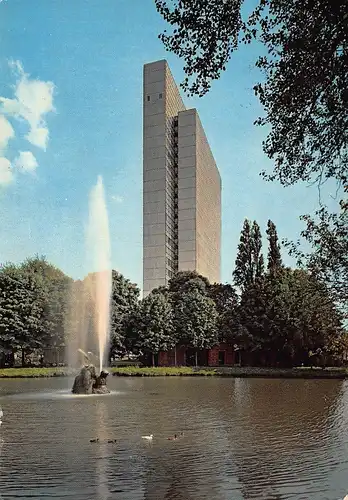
x,y
85,119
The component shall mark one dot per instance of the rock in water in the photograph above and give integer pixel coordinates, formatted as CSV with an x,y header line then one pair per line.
x,y
87,381
99,386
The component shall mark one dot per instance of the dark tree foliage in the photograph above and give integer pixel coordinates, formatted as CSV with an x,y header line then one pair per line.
x,y
288,316
155,325
224,297
328,236
249,263
184,279
256,244
243,273
274,258
304,89
33,304
206,33
124,301
283,318
195,319
54,287
20,311
226,301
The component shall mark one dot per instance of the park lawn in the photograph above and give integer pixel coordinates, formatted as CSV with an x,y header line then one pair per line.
x,y
184,371
134,371
170,371
34,372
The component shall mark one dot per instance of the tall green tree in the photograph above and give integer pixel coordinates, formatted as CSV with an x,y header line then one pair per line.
x,y
257,257
287,316
21,312
249,261
54,288
274,261
195,320
226,302
302,49
155,325
124,303
243,273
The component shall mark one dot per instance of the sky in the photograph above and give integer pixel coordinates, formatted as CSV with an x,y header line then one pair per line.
x,y
71,109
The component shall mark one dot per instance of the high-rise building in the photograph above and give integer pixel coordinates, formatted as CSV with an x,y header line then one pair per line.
x,y
181,186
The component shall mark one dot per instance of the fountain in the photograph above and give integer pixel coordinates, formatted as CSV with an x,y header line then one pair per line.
x,y
91,307
88,382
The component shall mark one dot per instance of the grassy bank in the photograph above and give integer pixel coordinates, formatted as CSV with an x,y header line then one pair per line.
x,y
183,371
235,371
34,372
172,371
297,372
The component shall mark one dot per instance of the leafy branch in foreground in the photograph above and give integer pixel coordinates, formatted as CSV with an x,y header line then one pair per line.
x,y
303,59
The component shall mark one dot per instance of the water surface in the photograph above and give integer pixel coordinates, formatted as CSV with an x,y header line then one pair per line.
x,y
243,439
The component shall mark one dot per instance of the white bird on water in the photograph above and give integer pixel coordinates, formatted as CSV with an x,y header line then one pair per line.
x,y
1,415
149,438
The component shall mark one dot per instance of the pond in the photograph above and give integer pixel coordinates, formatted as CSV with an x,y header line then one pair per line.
x,y
243,439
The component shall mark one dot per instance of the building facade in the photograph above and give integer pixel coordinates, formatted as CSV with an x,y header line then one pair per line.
x,y
181,186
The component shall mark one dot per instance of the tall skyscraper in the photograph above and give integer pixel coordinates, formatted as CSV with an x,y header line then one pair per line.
x,y
181,186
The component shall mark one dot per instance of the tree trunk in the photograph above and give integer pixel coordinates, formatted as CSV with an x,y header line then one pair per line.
x,y
196,358
175,355
23,358
153,359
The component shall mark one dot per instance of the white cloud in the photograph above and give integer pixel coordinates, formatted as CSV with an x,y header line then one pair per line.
x,y
38,137
6,174
33,100
26,161
117,198
6,132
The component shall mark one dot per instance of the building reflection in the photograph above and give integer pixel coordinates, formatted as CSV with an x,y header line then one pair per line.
x,y
193,467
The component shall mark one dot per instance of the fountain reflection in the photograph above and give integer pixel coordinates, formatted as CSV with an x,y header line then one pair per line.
x,y
101,431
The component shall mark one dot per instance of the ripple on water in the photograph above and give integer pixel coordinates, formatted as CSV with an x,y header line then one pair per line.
x,y
280,441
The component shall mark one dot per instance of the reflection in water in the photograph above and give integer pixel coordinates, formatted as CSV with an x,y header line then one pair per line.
x,y
102,417
244,439
279,421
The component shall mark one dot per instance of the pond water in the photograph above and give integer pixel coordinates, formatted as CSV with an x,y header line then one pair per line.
x,y
243,439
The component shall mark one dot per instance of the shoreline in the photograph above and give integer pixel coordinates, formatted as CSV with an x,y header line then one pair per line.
x,y
232,372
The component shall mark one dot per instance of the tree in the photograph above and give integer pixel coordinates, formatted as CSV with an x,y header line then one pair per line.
x,y
303,90
54,287
124,301
257,257
183,280
226,303
243,273
20,312
249,262
328,236
195,320
287,315
155,325
274,262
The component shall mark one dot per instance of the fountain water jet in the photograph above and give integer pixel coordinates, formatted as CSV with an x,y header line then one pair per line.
x,y
93,297
99,247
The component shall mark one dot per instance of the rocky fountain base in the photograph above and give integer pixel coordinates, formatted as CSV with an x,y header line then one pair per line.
x,y
87,381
